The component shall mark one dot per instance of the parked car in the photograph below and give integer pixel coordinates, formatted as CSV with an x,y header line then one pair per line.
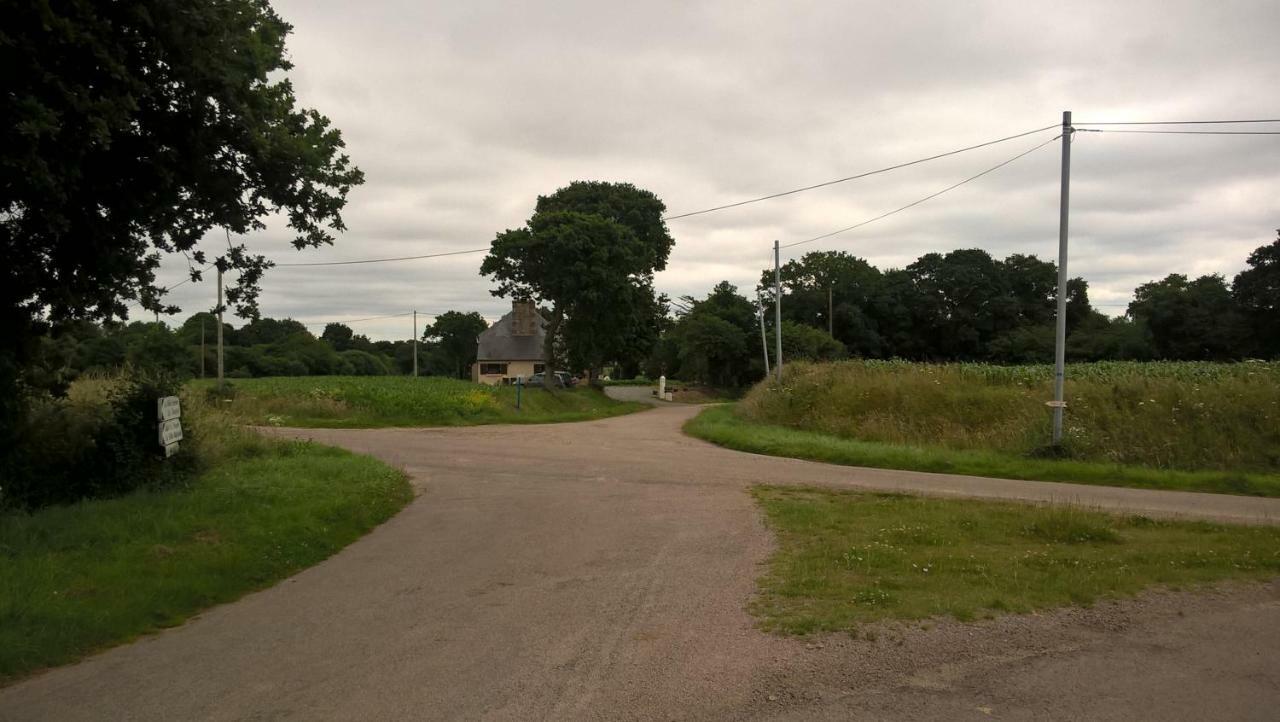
x,y
540,379
562,380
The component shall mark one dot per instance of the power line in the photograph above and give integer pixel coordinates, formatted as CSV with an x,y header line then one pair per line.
x,y
361,320
1185,122
1184,132
185,280
381,260
426,314
926,198
860,175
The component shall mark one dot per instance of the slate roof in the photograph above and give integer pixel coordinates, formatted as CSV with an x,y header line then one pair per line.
x,y
498,343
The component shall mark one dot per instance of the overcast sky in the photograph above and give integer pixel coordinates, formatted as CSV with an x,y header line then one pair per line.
x,y
462,113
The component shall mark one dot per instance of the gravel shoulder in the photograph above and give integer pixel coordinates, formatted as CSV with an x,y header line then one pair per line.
x,y
601,570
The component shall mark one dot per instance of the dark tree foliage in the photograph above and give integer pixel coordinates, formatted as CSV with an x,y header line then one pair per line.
x,y
268,330
1187,319
1257,293
831,290
453,335
133,128
338,335
589,252
715,340
962,305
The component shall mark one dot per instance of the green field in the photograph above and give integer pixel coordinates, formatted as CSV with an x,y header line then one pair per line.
x,y
845,559
1194,426
379,401
82,577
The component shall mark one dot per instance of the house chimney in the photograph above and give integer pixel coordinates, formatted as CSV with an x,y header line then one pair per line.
x,y
524,318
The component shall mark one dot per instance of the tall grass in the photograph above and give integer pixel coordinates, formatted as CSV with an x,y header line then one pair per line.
x,y
1161,415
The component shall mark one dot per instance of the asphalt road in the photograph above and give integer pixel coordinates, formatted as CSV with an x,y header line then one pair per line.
x,y
601,570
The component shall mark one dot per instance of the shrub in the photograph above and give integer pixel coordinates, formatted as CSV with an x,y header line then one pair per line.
x,y
97,444
363,363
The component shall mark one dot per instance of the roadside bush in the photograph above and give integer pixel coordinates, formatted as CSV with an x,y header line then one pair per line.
x,y
98,442
363,363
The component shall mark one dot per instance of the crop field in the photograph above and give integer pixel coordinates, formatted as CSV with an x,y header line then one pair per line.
x,y
1189,416
374,401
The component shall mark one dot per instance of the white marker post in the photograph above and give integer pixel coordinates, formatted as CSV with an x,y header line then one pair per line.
x,y
169,414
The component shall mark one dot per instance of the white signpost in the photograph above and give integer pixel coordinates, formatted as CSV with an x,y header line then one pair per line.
x,y
169,413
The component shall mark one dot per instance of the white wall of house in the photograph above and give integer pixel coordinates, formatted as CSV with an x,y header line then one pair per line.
x,y
495,373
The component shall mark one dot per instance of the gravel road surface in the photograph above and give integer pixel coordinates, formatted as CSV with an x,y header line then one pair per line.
x,y
600,571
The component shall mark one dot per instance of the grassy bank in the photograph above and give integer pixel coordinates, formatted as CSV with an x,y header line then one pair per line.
x,y
846,558
82,577
1188,416
378,401
722,425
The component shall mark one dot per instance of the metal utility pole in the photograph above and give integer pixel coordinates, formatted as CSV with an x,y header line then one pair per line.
x,y
764,341
1060,337
777,305
415,342
219,322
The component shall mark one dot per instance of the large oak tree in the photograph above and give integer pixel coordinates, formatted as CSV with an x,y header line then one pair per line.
x,y
589,252
132,129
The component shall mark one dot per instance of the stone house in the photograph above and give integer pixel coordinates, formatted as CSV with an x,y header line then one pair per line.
x,y
512,347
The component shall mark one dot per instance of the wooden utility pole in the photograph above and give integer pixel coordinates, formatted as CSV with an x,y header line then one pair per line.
x,y
777,306
415,342
220,322
831,324
764,340
202,347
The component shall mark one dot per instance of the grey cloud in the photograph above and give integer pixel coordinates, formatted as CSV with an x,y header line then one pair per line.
x,y
462,113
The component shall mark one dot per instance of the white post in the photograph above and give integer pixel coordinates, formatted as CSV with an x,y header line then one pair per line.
x,y
777,305
662,386
1060,337
219,323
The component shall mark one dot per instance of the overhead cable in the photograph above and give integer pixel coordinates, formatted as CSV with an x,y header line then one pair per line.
x,y
382,260
361,320
1184,132
1184,122
926,198
859,175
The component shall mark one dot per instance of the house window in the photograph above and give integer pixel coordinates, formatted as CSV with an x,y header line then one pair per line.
x,y
539,368
493,369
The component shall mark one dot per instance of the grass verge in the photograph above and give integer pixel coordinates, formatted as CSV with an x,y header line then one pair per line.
x,y
849,558
81,577
720,425
381,401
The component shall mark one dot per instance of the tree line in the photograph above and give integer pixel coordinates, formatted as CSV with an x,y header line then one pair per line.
x,y
965,305
262,347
